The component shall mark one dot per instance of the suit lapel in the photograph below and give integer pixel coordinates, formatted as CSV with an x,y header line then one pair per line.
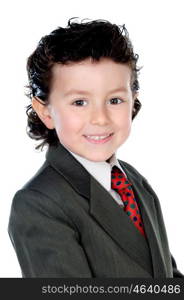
x,y
148,212
118,225
108,213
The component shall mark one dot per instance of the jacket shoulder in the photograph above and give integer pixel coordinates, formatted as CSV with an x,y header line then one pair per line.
x,y
46,181
44,193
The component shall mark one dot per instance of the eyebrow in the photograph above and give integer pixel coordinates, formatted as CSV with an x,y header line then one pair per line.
x,y
81,92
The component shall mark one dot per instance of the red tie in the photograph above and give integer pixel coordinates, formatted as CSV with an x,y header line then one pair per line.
x,y
121,185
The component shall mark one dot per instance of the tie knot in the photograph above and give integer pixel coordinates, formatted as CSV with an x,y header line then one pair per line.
x,y
118,179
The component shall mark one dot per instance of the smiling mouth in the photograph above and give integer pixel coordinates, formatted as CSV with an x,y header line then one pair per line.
x,y
98,138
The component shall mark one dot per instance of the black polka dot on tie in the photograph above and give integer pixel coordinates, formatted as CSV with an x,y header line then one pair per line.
x,y
128,194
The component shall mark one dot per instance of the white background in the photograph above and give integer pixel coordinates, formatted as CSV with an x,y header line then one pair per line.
x,y
155,146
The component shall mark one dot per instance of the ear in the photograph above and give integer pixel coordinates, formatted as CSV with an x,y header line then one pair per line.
x,y
43,112
136,105
134,101
135,96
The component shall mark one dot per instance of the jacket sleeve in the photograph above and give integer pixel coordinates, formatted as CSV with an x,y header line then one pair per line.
x,y
176,272
46,241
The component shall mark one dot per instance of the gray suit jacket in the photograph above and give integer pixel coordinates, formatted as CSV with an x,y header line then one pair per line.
x,y
63,223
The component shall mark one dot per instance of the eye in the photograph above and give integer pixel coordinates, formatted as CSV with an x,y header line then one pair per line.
x,y
116,101
79,102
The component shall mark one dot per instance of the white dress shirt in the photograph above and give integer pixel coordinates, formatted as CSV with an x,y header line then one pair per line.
x,y
101,171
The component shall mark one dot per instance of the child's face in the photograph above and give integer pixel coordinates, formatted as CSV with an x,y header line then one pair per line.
x,y
89,100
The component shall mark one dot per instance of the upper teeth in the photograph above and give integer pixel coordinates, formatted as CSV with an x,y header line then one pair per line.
x,y
95,137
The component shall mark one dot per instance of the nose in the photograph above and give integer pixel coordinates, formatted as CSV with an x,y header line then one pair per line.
x,y
99,116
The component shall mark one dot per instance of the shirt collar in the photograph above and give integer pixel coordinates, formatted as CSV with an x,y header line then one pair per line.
x,y
101,171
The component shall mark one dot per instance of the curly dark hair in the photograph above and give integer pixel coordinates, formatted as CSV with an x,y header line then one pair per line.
x,y
76,42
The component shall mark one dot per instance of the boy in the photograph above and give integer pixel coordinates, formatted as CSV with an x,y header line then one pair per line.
x,y
85,213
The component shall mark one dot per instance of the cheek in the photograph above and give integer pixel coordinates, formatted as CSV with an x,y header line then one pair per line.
x,y
124,120
124,129
68,122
